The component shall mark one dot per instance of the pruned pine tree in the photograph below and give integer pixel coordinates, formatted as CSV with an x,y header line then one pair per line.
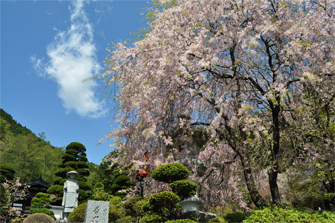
x,y
73,159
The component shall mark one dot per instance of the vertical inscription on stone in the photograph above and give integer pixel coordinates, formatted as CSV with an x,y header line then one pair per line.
x,y
97,212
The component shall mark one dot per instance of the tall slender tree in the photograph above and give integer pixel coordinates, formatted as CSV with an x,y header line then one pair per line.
x,y
73,159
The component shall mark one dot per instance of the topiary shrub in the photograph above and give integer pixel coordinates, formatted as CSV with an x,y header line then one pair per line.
x,y
39,218
151,219
99,185
184,188
170,172
117,201
217,220
78,214
283,215
165,199
235,217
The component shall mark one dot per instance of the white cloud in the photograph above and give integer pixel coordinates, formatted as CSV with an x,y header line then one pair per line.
x,y
71,59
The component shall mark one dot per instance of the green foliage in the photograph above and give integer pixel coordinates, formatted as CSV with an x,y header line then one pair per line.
x,y
100,195
4,196
57,201
39,218
235,217
115,213
283,215
162,203
181,221
44,211
170,172
40,200
217,220
7,171
120,182
151,219
78,214
184,188
98,185
31,156
53,189
126,219
117,201
133,206
72,160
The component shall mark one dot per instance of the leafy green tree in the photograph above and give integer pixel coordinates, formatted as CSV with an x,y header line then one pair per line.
x,y
7,171
73,159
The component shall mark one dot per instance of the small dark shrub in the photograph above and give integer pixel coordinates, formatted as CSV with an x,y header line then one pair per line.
x,y
235,217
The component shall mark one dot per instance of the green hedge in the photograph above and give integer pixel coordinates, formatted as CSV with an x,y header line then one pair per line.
x,y
284,215
170,172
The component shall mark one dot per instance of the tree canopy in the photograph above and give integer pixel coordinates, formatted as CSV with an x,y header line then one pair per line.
x,y
258,76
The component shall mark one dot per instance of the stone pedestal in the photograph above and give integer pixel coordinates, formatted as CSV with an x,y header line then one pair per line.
x,y
190,204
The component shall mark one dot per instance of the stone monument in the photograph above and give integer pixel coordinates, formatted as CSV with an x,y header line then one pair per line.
x,y
97,212
71,193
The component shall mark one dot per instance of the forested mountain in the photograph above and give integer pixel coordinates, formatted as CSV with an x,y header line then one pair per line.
x,y
31,156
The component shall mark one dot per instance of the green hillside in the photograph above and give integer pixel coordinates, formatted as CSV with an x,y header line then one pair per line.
x,y
31,156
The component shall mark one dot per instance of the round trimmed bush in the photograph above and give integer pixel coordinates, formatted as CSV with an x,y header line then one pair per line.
x,y
117,201
78,214
283,215
99,185
184,188
170,172
151,219
39,218
127,219
163,199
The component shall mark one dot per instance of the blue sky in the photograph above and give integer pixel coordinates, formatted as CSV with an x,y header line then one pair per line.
x,y
47,49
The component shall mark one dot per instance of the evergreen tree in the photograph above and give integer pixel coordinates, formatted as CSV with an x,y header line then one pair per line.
x,y
73,159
